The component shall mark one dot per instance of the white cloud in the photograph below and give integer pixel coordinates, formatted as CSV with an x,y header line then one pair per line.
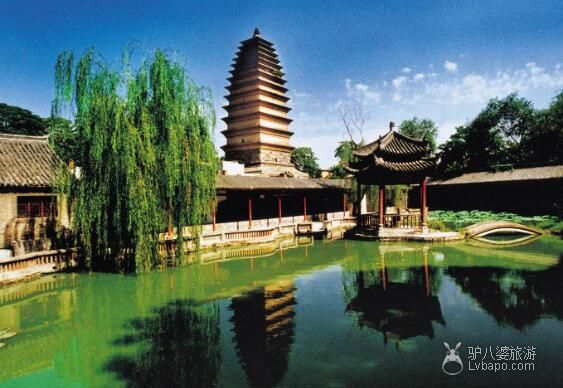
x,y
399,82
450,66
362,93
419,77
406,70
479,88
449,101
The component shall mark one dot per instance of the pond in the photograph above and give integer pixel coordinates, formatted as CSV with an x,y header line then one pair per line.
x,y
315,313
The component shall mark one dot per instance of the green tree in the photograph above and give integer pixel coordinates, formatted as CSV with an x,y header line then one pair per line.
x,y
344,153
544,145
423,129
19,121
62,138
453,160
145,155
305,160
498,137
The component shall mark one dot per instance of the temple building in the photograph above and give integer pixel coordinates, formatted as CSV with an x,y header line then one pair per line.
x,y
30,211
257,122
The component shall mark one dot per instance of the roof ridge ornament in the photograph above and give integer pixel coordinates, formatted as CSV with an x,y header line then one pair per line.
x,y
391,125
256,32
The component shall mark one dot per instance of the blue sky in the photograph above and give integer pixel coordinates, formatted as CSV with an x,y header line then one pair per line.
x,y
396,59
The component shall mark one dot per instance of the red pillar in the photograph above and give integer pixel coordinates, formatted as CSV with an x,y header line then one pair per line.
x,y
381,204
214,215
304,208
250,212
169,222
344,205
427,282
279,209
423,203
383,274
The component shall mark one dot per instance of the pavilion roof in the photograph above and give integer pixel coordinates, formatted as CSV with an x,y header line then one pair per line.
x,y
394,144
393,159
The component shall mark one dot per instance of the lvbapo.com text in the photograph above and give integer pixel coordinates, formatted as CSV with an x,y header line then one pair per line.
x,y
501,366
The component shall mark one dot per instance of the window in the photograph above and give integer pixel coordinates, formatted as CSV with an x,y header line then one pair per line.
x,y
37,206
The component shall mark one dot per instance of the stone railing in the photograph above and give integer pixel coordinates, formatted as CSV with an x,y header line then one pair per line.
x,y
262,230
18,267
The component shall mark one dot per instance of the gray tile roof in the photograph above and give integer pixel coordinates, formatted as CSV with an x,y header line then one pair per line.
x,y
519,174
26,161
249,183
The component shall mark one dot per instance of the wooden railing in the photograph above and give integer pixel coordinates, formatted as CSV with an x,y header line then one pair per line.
x,y
402,221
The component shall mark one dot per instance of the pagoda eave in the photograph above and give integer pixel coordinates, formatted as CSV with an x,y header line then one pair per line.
x,y
253,103
253,130
255,145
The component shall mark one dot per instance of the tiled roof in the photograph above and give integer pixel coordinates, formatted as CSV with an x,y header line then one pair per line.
x,y
393,159
519,174
394,144
415,165
249,183
26,161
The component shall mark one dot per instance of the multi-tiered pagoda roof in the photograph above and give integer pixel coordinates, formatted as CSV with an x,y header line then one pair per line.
x,y
257,122
393,159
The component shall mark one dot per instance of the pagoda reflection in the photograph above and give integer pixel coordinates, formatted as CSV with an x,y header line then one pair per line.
x,y
264,330
398,302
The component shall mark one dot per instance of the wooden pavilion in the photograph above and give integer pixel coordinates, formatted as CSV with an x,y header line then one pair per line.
x,y
394,159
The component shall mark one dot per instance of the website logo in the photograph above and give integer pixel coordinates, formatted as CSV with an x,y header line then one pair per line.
x,y
452,361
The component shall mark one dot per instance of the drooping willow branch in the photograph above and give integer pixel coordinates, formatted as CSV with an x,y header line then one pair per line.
x,y
145,154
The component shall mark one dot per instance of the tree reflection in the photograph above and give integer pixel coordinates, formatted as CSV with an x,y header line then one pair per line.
x,y
513,297
264,328
179,346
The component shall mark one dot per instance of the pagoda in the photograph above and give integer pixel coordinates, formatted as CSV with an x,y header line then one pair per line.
x,y
257,122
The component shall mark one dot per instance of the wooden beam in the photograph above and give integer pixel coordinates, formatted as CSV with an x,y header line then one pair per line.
x,y
423,222
304,208
381,205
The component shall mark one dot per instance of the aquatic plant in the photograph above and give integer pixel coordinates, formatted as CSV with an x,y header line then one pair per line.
x,y
457,220
145,155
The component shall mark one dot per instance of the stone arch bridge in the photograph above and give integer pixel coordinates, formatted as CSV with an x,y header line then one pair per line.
x,y
485,228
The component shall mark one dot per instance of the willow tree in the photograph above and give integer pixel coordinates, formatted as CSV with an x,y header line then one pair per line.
x,y
146,157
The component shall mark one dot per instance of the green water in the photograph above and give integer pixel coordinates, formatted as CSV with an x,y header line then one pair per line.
x,y
326,314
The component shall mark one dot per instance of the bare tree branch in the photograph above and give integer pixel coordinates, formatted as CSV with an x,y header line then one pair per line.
x,y
354,119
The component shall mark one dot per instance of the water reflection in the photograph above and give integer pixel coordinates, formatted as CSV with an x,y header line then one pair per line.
x,y
264,328
179,346
398,302
513,297
67,325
